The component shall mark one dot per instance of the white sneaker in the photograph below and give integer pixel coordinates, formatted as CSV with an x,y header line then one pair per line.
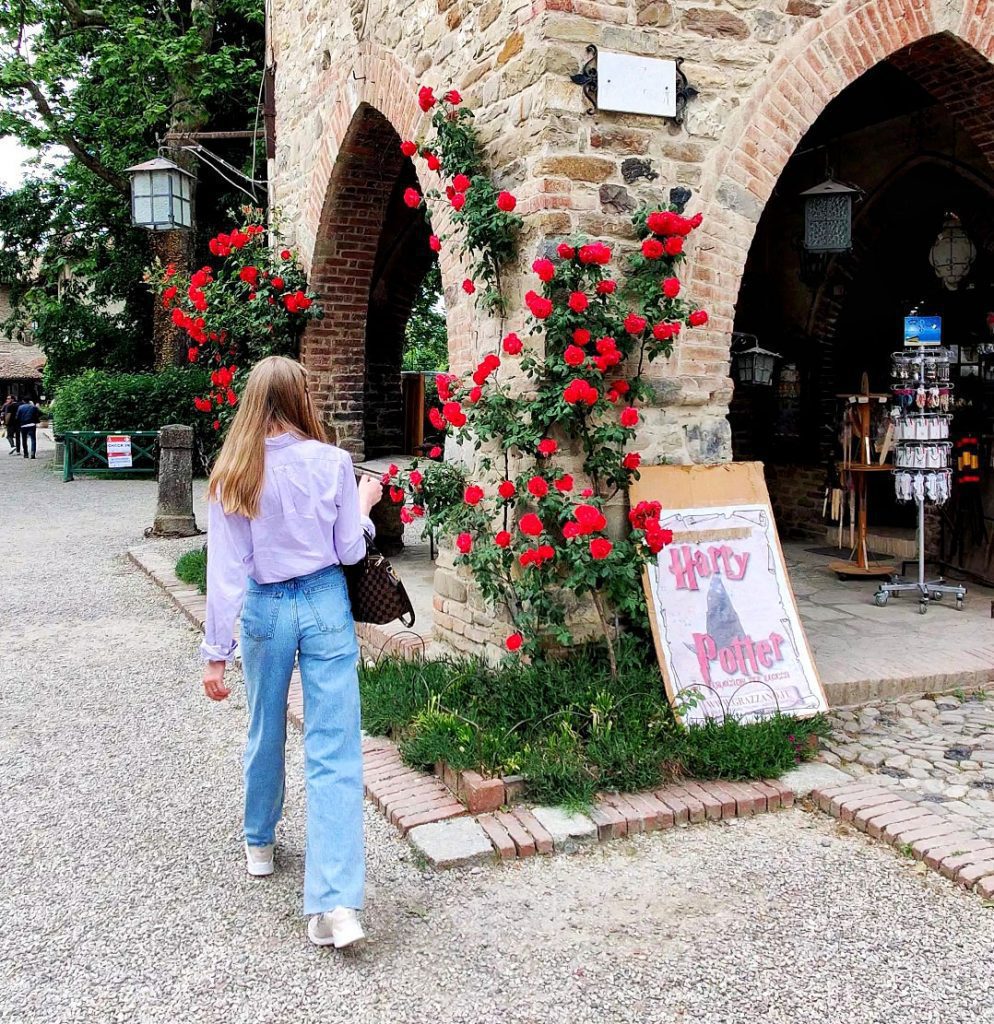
x,y
339,928
259,860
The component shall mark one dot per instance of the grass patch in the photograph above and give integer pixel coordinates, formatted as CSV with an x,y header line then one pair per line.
x,y
192,568
566,725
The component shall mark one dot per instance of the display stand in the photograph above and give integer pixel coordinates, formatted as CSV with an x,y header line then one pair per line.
x,y
855,470
921,469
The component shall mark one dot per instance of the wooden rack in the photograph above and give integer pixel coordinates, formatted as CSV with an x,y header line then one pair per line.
x,y
855,468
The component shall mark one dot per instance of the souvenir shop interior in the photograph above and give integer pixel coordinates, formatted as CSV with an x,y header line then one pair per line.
x,y
863,356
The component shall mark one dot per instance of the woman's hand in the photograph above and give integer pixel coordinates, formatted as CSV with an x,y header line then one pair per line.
x,y
214,680
370,492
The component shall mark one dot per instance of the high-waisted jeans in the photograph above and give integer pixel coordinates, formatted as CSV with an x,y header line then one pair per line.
x,y
311,616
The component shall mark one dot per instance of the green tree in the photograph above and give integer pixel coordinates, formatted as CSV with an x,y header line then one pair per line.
x,y
426,343
92,90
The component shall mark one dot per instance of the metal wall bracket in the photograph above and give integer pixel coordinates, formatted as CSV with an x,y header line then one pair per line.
x,y
587,79
685,92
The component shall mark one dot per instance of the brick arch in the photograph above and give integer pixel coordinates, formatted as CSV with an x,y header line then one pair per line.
x,y
367,253
817,64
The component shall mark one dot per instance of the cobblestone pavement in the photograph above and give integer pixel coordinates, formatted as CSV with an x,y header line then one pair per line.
x,y
935,750
123,897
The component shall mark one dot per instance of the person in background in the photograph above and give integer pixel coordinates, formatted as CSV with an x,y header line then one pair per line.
x,y
28,418
285,514
8,418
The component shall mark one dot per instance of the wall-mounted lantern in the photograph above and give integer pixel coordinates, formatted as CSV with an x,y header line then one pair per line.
x,y
750,363
161,195
828,216
952,253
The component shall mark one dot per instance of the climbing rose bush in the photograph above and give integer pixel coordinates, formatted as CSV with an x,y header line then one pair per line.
x,y
488,227
529,530
253,302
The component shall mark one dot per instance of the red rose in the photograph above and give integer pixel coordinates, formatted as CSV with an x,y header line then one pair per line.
x,y
396,495
539,306
415,478
564,484
434,243
202,404
461,183
503,539
537,487
454,414
458,201
238,239
506,202
443,382
408,148
436,452
434,164
250,275
587,492
662,332
571,530
580,391
545,269
473,495
475,395
698,318
590,518
629,416
514,642
674,245
179,317
426,98
453,97
634,323
566,252
412,198
405,516
574,356
581,336
168,295
512,344
622,387
192,353
216,424
468,287
465,543
606,287
277,283
600,548
507,490
435,417
671,287
652,248
595,252
578,302
696,220
530,525
285,254
547,446
632,461
661,222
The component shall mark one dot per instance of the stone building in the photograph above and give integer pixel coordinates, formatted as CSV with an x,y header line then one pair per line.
x,y
894,96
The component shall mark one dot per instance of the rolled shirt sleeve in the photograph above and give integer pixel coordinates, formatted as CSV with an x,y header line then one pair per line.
x,y
350,525
229,553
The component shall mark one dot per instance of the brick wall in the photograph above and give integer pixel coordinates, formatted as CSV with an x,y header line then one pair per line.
x,y
346,85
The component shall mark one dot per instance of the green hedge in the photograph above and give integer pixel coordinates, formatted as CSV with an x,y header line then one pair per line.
x,y
101,400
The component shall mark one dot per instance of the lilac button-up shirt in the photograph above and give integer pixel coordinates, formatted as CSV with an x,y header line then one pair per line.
x,y
308,519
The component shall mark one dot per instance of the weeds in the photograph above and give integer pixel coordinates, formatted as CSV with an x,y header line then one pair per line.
x,y
192,568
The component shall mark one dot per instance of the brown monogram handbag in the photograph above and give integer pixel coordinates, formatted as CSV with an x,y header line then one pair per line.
x,y
375,590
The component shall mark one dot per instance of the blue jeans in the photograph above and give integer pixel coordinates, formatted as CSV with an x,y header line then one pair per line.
x,y
310,615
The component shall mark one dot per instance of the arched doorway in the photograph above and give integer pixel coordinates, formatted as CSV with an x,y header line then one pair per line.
x,y
370,260
915,148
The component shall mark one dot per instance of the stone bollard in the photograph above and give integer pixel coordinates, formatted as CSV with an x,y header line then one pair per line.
x,y
174,513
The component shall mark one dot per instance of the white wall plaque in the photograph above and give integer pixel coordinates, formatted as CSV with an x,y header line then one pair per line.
x,y
636,85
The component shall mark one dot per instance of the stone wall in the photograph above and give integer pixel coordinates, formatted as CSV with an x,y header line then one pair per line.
x,y
347,78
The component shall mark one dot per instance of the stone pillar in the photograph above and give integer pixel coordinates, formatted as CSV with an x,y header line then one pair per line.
x,y
174,513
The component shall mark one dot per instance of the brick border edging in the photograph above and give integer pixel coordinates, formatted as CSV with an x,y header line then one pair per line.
x,y
961,856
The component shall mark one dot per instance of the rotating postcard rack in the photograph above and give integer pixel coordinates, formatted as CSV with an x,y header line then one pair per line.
x,y
923,397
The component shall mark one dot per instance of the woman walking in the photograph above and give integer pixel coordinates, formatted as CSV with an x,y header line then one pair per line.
x,y
285,515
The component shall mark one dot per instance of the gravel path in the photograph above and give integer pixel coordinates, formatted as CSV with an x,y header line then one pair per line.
x,y
123,896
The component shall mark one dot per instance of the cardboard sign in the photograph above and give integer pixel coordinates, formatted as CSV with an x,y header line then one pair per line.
x,y
725,623
118,451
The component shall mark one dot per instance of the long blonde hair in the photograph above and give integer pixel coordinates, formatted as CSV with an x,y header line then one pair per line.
x,y
276,400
